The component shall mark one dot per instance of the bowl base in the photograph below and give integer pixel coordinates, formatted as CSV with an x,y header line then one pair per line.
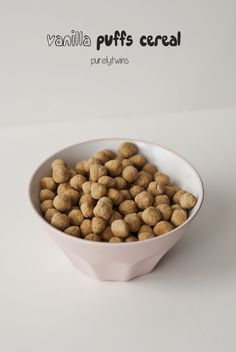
x,y
117,271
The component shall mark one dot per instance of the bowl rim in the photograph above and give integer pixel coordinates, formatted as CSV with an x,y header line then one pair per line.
x,y
121,244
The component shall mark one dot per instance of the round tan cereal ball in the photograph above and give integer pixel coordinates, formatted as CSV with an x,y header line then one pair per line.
x,y
115,216
187,201
73,231
114,167
161,178
76,217
145,236
120,228
131,239
87,198
58,163
60,174
151,216
48,183
143,179
126,194
98,190
49,214
103,209
110,153
98,225
162,227
120,158
128,207
115,239
144,200
155,188
73,194
90,162
86,187
150,168
102,156
105,201
97,171
107,234
93,237
77,182
135,190
60,221
80,167
138,161
145,228
86,227
130,173
107,181
126,162
115,195
133,221
87,210
171,190
177,195
62,202
161,199
165,211
127,149
63,187
120,183
178,217
46,204
46,194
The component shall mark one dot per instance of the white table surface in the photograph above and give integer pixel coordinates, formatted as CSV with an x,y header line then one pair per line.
x,y
186,304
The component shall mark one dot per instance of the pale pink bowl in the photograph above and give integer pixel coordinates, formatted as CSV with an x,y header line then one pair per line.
x,y
119,261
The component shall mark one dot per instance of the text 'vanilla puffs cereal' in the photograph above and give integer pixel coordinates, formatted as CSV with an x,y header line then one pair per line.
x,y
113,197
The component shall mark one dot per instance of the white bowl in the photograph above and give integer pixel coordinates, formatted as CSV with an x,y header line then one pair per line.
x,y
119,261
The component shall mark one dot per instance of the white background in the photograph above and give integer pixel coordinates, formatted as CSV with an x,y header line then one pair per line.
x,y
183,98
40,83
